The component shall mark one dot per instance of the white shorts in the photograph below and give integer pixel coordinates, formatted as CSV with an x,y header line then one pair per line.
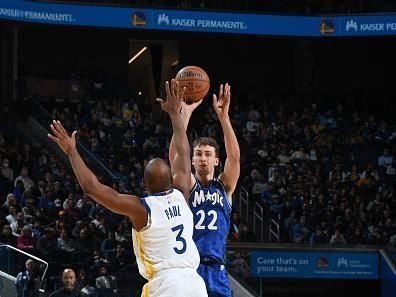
x,y
175,282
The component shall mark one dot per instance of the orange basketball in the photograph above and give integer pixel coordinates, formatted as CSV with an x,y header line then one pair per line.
x,y
196,81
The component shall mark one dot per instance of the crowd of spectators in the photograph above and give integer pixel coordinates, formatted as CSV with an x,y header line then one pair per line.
x,y
43,211
327,175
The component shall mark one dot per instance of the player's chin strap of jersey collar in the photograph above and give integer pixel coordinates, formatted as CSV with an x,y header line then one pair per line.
x,y
205,260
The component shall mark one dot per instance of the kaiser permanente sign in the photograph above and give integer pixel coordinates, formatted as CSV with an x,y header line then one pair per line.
x,y
196,21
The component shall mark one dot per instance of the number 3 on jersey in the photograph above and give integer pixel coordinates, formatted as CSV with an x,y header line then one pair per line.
x,y
212,225
180,228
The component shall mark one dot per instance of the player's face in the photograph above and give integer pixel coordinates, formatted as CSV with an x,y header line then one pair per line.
x,y
204,159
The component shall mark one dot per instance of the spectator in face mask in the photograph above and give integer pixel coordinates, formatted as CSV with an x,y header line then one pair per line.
x,y
6,171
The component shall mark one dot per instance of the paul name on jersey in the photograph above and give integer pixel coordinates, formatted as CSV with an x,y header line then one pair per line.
x,y
172,212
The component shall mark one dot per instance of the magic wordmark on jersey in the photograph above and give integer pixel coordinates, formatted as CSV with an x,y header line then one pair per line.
x,y
201,197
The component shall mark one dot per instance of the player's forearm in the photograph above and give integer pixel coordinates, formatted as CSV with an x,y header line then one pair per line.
x,y
185,118
230,140
85,177
179,138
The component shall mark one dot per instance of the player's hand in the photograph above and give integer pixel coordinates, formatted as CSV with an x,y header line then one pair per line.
x,y
65,142
189,108
174,95
222,104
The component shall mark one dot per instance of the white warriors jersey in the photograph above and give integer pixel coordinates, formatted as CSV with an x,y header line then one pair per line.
x,y
166,242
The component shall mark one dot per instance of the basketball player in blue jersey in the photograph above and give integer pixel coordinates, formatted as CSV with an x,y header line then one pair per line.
x,y
211,197
162,222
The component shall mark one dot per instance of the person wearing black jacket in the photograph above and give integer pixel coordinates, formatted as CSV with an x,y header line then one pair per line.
x,y
68,289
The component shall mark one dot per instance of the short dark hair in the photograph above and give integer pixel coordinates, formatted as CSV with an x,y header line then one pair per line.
x,y
207,141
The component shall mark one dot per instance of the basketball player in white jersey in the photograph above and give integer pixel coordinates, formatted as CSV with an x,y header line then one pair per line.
x,y
163,223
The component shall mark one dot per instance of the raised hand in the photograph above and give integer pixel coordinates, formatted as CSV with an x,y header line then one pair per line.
x,y
222,104
174,95
189,108
65,142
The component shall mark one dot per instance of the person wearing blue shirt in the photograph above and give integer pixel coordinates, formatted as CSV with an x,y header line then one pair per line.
x,y
211,197
25,281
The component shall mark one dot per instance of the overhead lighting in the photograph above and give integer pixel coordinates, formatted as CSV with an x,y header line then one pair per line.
x,y
137,55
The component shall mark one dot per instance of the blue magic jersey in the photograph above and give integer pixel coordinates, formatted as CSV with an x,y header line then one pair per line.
x,y
211,210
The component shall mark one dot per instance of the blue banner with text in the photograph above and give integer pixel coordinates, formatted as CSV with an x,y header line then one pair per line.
x,y
196,21
327,265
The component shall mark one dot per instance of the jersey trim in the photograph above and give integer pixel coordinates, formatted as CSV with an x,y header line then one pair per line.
x,y
194,187
145,290
163,193
229,200
209,260
147,207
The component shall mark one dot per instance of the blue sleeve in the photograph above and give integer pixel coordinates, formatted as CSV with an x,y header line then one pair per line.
x,y
18,279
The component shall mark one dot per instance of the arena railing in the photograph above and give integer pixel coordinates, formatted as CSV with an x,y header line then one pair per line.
x,y
243,203
252,214
258,221
274,230
388,273
10,257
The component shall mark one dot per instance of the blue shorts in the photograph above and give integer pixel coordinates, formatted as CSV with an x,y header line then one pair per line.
x,y
216,280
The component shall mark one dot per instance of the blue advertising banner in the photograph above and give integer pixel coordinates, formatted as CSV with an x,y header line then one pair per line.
x,y
314,265
196,21
366,25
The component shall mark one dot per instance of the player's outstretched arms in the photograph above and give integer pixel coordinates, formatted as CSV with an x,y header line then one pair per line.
x,y
221,104
181,165
123,204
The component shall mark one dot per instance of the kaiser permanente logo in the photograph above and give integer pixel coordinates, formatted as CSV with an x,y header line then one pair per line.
x,y
342,262
353,26
165,20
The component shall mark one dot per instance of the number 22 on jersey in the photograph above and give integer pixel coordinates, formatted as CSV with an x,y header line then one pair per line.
x,y
211,214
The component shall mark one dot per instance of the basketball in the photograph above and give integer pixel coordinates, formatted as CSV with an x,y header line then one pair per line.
x,y
196,81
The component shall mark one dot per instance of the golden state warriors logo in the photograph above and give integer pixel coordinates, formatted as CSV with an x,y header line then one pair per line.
x,y
322,262
138,19
326,27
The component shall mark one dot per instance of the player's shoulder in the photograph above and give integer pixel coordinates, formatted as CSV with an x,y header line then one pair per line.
x,y
157,197
218,183
220,186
